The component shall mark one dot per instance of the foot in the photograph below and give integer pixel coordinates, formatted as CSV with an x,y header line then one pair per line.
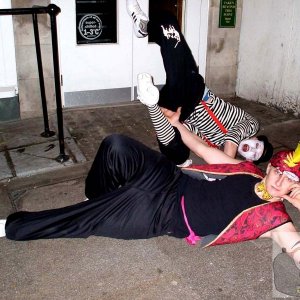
x,y
139,18
148,94
186,164
2,227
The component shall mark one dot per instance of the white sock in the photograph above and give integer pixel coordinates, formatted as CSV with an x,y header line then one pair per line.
x,y
2,227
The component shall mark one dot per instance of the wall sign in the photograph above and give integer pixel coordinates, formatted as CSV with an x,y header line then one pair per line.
x,y
227,14
96,21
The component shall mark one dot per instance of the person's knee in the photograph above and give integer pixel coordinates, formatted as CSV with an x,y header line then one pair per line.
x,y
118,144
112,139
115,140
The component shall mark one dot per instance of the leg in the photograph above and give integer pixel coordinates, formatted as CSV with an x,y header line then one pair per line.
x,y
168,137
184,86
176,150
122,161
126,213
132,189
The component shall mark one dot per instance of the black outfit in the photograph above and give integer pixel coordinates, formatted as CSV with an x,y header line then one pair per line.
x,y
135,193
184,85
212,205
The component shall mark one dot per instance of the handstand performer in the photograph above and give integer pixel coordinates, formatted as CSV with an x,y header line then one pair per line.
x,y
218,123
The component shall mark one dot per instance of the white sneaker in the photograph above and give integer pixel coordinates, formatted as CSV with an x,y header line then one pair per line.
x,y
2,227
148,94
186,164
139,18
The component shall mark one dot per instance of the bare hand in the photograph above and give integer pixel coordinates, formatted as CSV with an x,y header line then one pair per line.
x,y
294,196
173,117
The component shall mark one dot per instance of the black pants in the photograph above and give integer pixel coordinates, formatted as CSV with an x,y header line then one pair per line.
x,y
133,194
184,85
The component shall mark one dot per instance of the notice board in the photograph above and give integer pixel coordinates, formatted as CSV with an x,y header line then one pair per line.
x,y
96,21
227,14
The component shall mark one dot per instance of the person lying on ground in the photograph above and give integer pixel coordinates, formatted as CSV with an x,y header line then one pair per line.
x,y
257,149
135,192
217,122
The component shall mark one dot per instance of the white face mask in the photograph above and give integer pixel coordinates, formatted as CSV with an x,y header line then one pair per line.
x,y
251,149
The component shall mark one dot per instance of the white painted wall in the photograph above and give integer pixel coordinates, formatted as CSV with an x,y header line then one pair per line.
x,y
92,66
109,66
269,53
8,73
196,29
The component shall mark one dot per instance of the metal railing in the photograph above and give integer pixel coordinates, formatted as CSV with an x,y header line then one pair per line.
x,y
53,11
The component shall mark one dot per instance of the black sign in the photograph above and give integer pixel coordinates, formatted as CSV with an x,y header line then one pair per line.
x,y
96,21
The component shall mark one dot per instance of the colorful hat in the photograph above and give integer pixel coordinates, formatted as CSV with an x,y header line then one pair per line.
x,y
288,162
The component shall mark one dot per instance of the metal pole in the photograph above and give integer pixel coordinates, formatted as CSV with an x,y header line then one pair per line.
x,y
53,12
47,132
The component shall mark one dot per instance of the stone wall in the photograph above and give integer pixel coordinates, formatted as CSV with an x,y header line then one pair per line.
x,y
222,52
27,69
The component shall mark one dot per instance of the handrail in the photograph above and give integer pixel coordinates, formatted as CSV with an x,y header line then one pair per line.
x,y
53,11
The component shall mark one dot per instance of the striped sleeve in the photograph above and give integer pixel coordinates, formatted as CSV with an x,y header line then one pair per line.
x,y
164,130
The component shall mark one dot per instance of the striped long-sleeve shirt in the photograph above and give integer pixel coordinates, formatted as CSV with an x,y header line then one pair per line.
x,y
239,124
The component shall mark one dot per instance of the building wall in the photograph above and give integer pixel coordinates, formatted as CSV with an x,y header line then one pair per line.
x,y
222,52
257,60
269,53
9,104
93,73
107,73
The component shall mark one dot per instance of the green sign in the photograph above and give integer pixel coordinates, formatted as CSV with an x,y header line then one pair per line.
x,y
227,13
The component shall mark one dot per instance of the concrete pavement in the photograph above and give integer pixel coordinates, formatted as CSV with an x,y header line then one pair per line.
x,y
104,268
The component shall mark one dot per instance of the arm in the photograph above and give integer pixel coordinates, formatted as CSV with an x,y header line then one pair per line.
x,y
168,137
242,130
294,196
200,148
230,149
286,237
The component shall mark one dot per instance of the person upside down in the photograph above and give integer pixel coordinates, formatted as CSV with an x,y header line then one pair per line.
x,y
219,123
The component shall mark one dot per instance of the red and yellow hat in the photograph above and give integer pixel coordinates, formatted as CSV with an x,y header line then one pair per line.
x,y
288,162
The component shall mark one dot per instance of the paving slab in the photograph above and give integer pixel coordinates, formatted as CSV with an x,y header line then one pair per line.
x,y
24,152
25,132
4,168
